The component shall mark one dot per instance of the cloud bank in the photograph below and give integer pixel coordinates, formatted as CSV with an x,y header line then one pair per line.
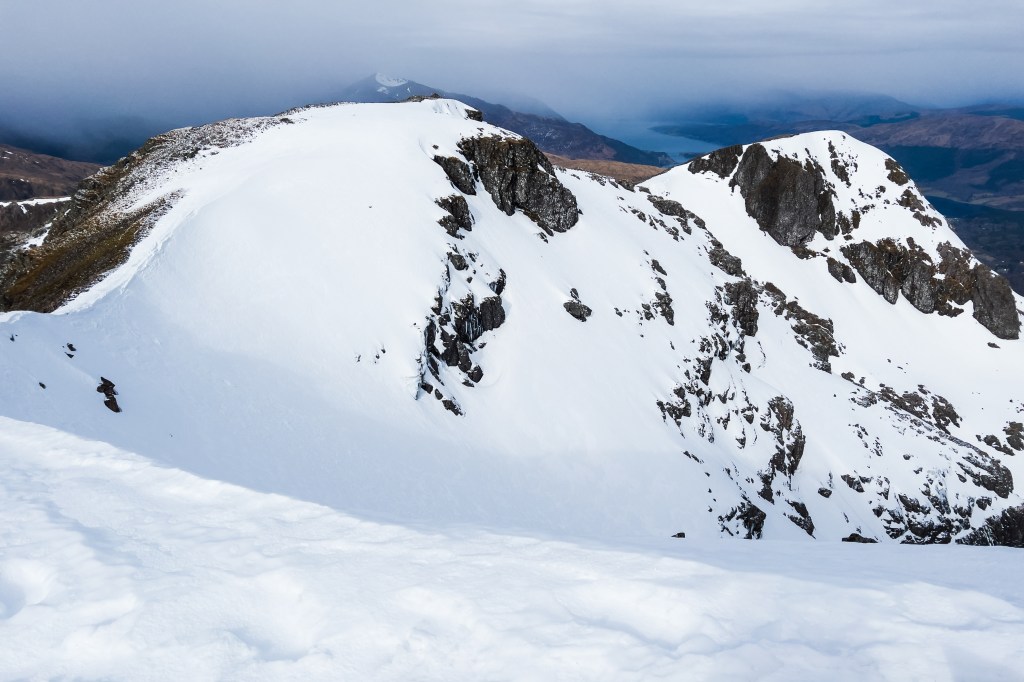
x,y
194,60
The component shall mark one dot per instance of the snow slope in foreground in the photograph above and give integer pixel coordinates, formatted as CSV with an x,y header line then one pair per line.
x,y
113,567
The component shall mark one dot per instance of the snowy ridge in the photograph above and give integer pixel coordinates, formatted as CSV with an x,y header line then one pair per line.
x,y
398,311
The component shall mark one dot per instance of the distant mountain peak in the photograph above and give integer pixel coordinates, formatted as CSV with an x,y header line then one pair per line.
x,y
389,81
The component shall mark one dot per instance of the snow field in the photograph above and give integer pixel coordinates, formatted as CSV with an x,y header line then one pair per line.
x,y
114,567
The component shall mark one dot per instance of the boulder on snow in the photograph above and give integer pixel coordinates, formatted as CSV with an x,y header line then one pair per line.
x,y
517,175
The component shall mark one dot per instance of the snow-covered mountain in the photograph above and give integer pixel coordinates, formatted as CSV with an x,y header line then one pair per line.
x,y
400,311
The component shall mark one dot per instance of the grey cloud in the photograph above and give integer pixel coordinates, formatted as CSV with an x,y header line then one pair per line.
x,y
190,60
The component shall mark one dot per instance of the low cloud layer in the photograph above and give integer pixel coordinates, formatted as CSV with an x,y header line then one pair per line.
x,y
194,60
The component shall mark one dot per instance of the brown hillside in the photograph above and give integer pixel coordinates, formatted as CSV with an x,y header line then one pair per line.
x,y
625,172
26,175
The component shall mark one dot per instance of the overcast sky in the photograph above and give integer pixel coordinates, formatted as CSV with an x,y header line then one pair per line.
x,y
183,61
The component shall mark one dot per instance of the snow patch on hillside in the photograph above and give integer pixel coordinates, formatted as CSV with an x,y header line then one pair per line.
x,y
390,81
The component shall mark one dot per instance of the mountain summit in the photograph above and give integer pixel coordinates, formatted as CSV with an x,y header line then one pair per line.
x,y
403,311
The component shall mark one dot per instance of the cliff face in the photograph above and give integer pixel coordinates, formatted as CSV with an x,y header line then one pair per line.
x,y
794,200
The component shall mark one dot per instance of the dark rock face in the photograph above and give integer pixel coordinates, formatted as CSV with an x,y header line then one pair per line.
x,y
517,175
458,172
685,218
801,518
743,297
458,216
24,218
750,516
854,482
576,308
721,162
896,172
871,262
106,387
891,268
994,306
789,448
1015,435
987,472
923,404
841,271
458,261
816,334
789,200
725,261
450,337
469,321
676,210
793,201
1007,530
857,537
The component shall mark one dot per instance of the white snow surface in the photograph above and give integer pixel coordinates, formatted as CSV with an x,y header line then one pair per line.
x,y
35,202
390,81
116,568
280,498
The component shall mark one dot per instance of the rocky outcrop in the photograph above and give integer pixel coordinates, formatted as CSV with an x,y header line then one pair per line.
x,y
676,210
890,268
25,217
876,262
841,271
790,200
518,176
994,305
1007,530
743,297
746,518
896,173
779,421
450,337
458,172
577,308
458,218
815,333
106,387
793,201
723,260
721,162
